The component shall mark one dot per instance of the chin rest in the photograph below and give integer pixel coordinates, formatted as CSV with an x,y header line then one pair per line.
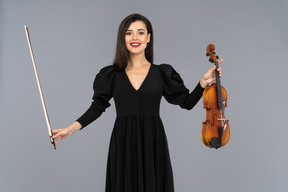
x,y
216,142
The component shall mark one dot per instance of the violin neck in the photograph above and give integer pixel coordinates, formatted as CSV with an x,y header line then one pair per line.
x,y
219,90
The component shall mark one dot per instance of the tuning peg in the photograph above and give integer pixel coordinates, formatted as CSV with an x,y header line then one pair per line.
x,y
217,57
211,60
214,52
208,54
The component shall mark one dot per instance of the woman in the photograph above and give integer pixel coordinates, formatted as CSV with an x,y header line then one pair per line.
x,y
138,157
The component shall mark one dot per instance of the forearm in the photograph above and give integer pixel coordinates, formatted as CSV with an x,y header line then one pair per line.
x,y
192,98
89,116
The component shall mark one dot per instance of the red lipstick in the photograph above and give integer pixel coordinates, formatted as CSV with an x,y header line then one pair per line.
x,y
135,44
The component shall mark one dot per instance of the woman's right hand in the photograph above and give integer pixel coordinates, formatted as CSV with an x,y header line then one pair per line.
x,y
59,134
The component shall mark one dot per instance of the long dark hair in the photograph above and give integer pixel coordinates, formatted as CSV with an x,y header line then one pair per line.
x,y
122,54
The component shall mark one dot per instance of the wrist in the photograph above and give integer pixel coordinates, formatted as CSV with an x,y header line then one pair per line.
x,y
75,127
203,83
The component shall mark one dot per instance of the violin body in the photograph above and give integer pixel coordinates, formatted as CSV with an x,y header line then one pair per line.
x,y
215,129
214,118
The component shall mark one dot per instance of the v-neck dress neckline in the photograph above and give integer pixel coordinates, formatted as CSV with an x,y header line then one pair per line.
x,y
131,85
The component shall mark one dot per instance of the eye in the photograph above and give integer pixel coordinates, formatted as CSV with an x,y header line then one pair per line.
x,y
141,33
128,33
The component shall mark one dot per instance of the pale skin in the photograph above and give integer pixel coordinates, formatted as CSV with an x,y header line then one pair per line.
x,y
136,40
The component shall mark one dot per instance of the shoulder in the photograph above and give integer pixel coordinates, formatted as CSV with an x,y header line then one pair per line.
x,y
166,69
108,71
168,73
105,75
163,66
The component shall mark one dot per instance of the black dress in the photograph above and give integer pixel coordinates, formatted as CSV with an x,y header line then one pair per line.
x,y
138,159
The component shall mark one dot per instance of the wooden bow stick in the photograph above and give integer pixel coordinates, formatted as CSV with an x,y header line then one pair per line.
x,y
39,87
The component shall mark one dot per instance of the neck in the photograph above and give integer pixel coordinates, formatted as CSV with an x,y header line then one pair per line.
x,y
137,60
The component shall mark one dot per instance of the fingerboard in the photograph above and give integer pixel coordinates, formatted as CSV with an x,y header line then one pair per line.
x,y
218,83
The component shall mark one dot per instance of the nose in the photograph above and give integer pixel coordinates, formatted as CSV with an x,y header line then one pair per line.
x,y
135,37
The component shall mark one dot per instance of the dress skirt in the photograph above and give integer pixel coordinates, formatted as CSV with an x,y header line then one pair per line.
x,y
138,159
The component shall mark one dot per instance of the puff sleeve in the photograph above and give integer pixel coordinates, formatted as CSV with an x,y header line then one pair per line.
x,y
103,86
174,90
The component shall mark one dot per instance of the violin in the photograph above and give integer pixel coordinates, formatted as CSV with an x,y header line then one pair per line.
x,y
215,129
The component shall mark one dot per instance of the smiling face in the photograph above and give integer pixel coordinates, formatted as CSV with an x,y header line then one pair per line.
x,y
137,37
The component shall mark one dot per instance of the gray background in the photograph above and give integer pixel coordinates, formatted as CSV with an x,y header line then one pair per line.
x,y
73,40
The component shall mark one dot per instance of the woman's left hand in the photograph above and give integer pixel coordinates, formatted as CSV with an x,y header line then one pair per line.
x,y
209,76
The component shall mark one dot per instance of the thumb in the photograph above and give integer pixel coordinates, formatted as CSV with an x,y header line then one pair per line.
x,y
212,69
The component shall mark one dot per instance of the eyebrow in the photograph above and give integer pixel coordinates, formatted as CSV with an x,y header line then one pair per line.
x,y
137,30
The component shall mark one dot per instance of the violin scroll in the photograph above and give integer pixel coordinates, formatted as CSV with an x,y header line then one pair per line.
x,y
211,53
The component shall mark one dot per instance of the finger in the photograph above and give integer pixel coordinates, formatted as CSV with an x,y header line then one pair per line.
x,y
211,69
56,135
220,61
220,71
55,131
57,141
